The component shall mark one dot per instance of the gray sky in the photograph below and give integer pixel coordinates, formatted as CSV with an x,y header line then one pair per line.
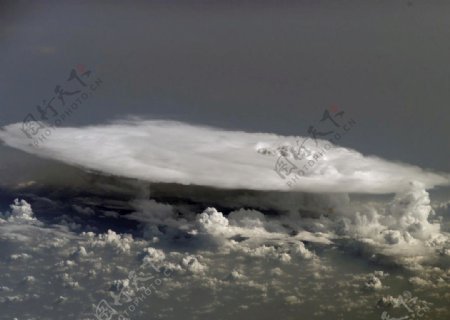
x,y
270,66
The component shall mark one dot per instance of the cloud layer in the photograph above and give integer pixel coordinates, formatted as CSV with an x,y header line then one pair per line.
x,y
53,271
173,152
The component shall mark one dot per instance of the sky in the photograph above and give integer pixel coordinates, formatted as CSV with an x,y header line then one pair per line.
x,y
254,66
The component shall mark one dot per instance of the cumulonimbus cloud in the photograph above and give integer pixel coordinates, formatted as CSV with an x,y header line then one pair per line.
x,y
174,152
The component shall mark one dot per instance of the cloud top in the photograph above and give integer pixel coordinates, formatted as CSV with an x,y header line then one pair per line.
x,y
174,152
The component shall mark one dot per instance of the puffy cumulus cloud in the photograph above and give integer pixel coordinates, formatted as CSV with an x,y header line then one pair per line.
x,y
212,221
249,232
20,212
373,283
300,250
212,225
155,259
400,228
410,210
153,255
258,262
192,264
119,242
55,272
173,152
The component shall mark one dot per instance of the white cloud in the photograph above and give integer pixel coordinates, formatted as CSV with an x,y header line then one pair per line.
x,y
120,242
166,151
20,211
191,263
